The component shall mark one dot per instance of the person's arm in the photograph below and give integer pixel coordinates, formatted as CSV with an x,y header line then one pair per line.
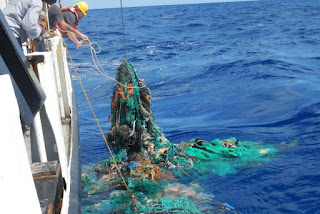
x,y
76,32
67,28
63,26
84,37
30,21
73,37
42,23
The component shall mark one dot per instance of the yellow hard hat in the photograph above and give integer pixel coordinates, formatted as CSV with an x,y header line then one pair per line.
x,y
83,7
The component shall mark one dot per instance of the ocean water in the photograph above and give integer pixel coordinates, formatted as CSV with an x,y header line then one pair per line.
x,y
249,70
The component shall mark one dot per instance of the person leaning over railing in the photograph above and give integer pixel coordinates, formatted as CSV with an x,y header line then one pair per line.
x,y
22,17
67,19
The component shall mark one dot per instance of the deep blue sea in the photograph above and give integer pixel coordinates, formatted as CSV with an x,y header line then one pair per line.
x,y
249,70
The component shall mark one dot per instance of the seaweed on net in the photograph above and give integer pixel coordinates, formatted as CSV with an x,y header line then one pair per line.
x,y
152,165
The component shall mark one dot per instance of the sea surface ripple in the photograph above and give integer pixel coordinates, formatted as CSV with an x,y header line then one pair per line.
x,y
249,70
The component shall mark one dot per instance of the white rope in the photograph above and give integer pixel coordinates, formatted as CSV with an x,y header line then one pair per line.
x,y
98,65
133,128
96,61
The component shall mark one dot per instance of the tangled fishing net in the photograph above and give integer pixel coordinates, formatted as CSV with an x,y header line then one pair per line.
x,y
152,166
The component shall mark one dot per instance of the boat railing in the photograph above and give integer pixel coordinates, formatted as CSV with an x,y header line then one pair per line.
x,y
52,130
35,132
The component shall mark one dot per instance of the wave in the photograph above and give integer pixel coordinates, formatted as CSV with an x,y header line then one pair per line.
x,y
195,25
307,116
244,70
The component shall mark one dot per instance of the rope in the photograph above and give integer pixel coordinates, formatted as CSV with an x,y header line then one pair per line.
x,y
96,61
99,67
119,93
94,53
123,32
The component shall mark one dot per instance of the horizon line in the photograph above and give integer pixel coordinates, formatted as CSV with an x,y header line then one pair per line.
x,y
174,4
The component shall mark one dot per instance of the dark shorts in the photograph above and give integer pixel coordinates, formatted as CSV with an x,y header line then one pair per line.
x,y
55,15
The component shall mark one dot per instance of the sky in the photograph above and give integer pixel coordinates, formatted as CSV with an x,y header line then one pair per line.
x,y
98,4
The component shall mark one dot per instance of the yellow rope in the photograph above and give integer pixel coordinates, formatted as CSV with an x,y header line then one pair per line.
x,y
95,117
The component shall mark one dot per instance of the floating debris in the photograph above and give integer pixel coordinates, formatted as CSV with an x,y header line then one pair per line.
x,y
152,166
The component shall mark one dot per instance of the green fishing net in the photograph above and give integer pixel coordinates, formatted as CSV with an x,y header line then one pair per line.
x,y
152,166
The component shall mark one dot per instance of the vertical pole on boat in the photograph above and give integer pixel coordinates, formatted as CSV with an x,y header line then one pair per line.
x,y
37,128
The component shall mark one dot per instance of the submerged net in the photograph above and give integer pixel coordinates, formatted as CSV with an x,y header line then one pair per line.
x,y
152,166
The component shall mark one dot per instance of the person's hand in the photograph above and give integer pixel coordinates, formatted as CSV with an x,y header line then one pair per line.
x,y
42,21
84,37
79,43
42,24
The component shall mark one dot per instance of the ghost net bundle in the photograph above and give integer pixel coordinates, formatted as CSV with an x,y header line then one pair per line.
x,y
152,166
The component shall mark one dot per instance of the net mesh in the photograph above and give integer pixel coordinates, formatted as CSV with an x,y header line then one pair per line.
x,y
153,166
